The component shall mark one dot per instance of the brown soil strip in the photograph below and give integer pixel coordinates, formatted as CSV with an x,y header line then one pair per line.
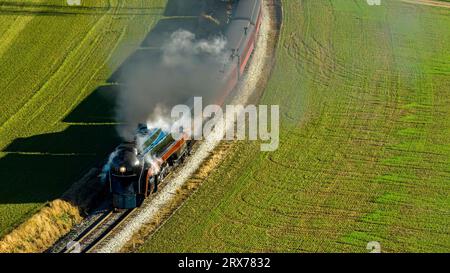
x,y
429,3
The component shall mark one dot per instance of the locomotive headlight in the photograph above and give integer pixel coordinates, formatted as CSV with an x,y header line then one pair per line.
x,y
122,169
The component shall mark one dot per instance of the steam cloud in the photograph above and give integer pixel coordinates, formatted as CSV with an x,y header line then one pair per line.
x,y
183,68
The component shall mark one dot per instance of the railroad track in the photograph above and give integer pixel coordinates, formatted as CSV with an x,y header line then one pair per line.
x,y
97,232
94,233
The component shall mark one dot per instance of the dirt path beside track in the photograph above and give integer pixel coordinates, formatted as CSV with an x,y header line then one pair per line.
x,y
429,3
250,88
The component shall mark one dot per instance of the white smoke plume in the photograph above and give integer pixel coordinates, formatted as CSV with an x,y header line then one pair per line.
x,y
183,46
107,167
184,67
154,162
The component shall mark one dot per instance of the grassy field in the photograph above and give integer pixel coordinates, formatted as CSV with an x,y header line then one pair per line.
x,y
365,143
56,111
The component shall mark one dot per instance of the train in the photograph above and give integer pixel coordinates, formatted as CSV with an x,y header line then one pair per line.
x,y
136,168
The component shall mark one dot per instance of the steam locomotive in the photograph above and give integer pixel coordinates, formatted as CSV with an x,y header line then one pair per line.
x,y
136,168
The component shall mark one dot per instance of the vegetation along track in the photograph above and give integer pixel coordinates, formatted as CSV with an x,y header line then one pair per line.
x,y
364,147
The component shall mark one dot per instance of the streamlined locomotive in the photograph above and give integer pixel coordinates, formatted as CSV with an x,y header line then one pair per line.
x,y
137,167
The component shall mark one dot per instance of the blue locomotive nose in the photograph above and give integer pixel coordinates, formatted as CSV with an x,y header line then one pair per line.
x,y
125,194
125,177
125,201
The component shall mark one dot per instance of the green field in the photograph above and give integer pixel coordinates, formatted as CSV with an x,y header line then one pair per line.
x,y
56,111
365,143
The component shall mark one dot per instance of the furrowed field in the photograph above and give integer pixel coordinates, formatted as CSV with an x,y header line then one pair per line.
x,y
365,141
55,121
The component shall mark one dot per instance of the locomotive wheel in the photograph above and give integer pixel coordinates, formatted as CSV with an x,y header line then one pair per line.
x,y
189,148
151,188
155,185
183,157
164,172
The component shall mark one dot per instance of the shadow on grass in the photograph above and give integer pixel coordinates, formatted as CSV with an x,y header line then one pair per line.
x,y
42,167
43,9
97,108
184,7
35,177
